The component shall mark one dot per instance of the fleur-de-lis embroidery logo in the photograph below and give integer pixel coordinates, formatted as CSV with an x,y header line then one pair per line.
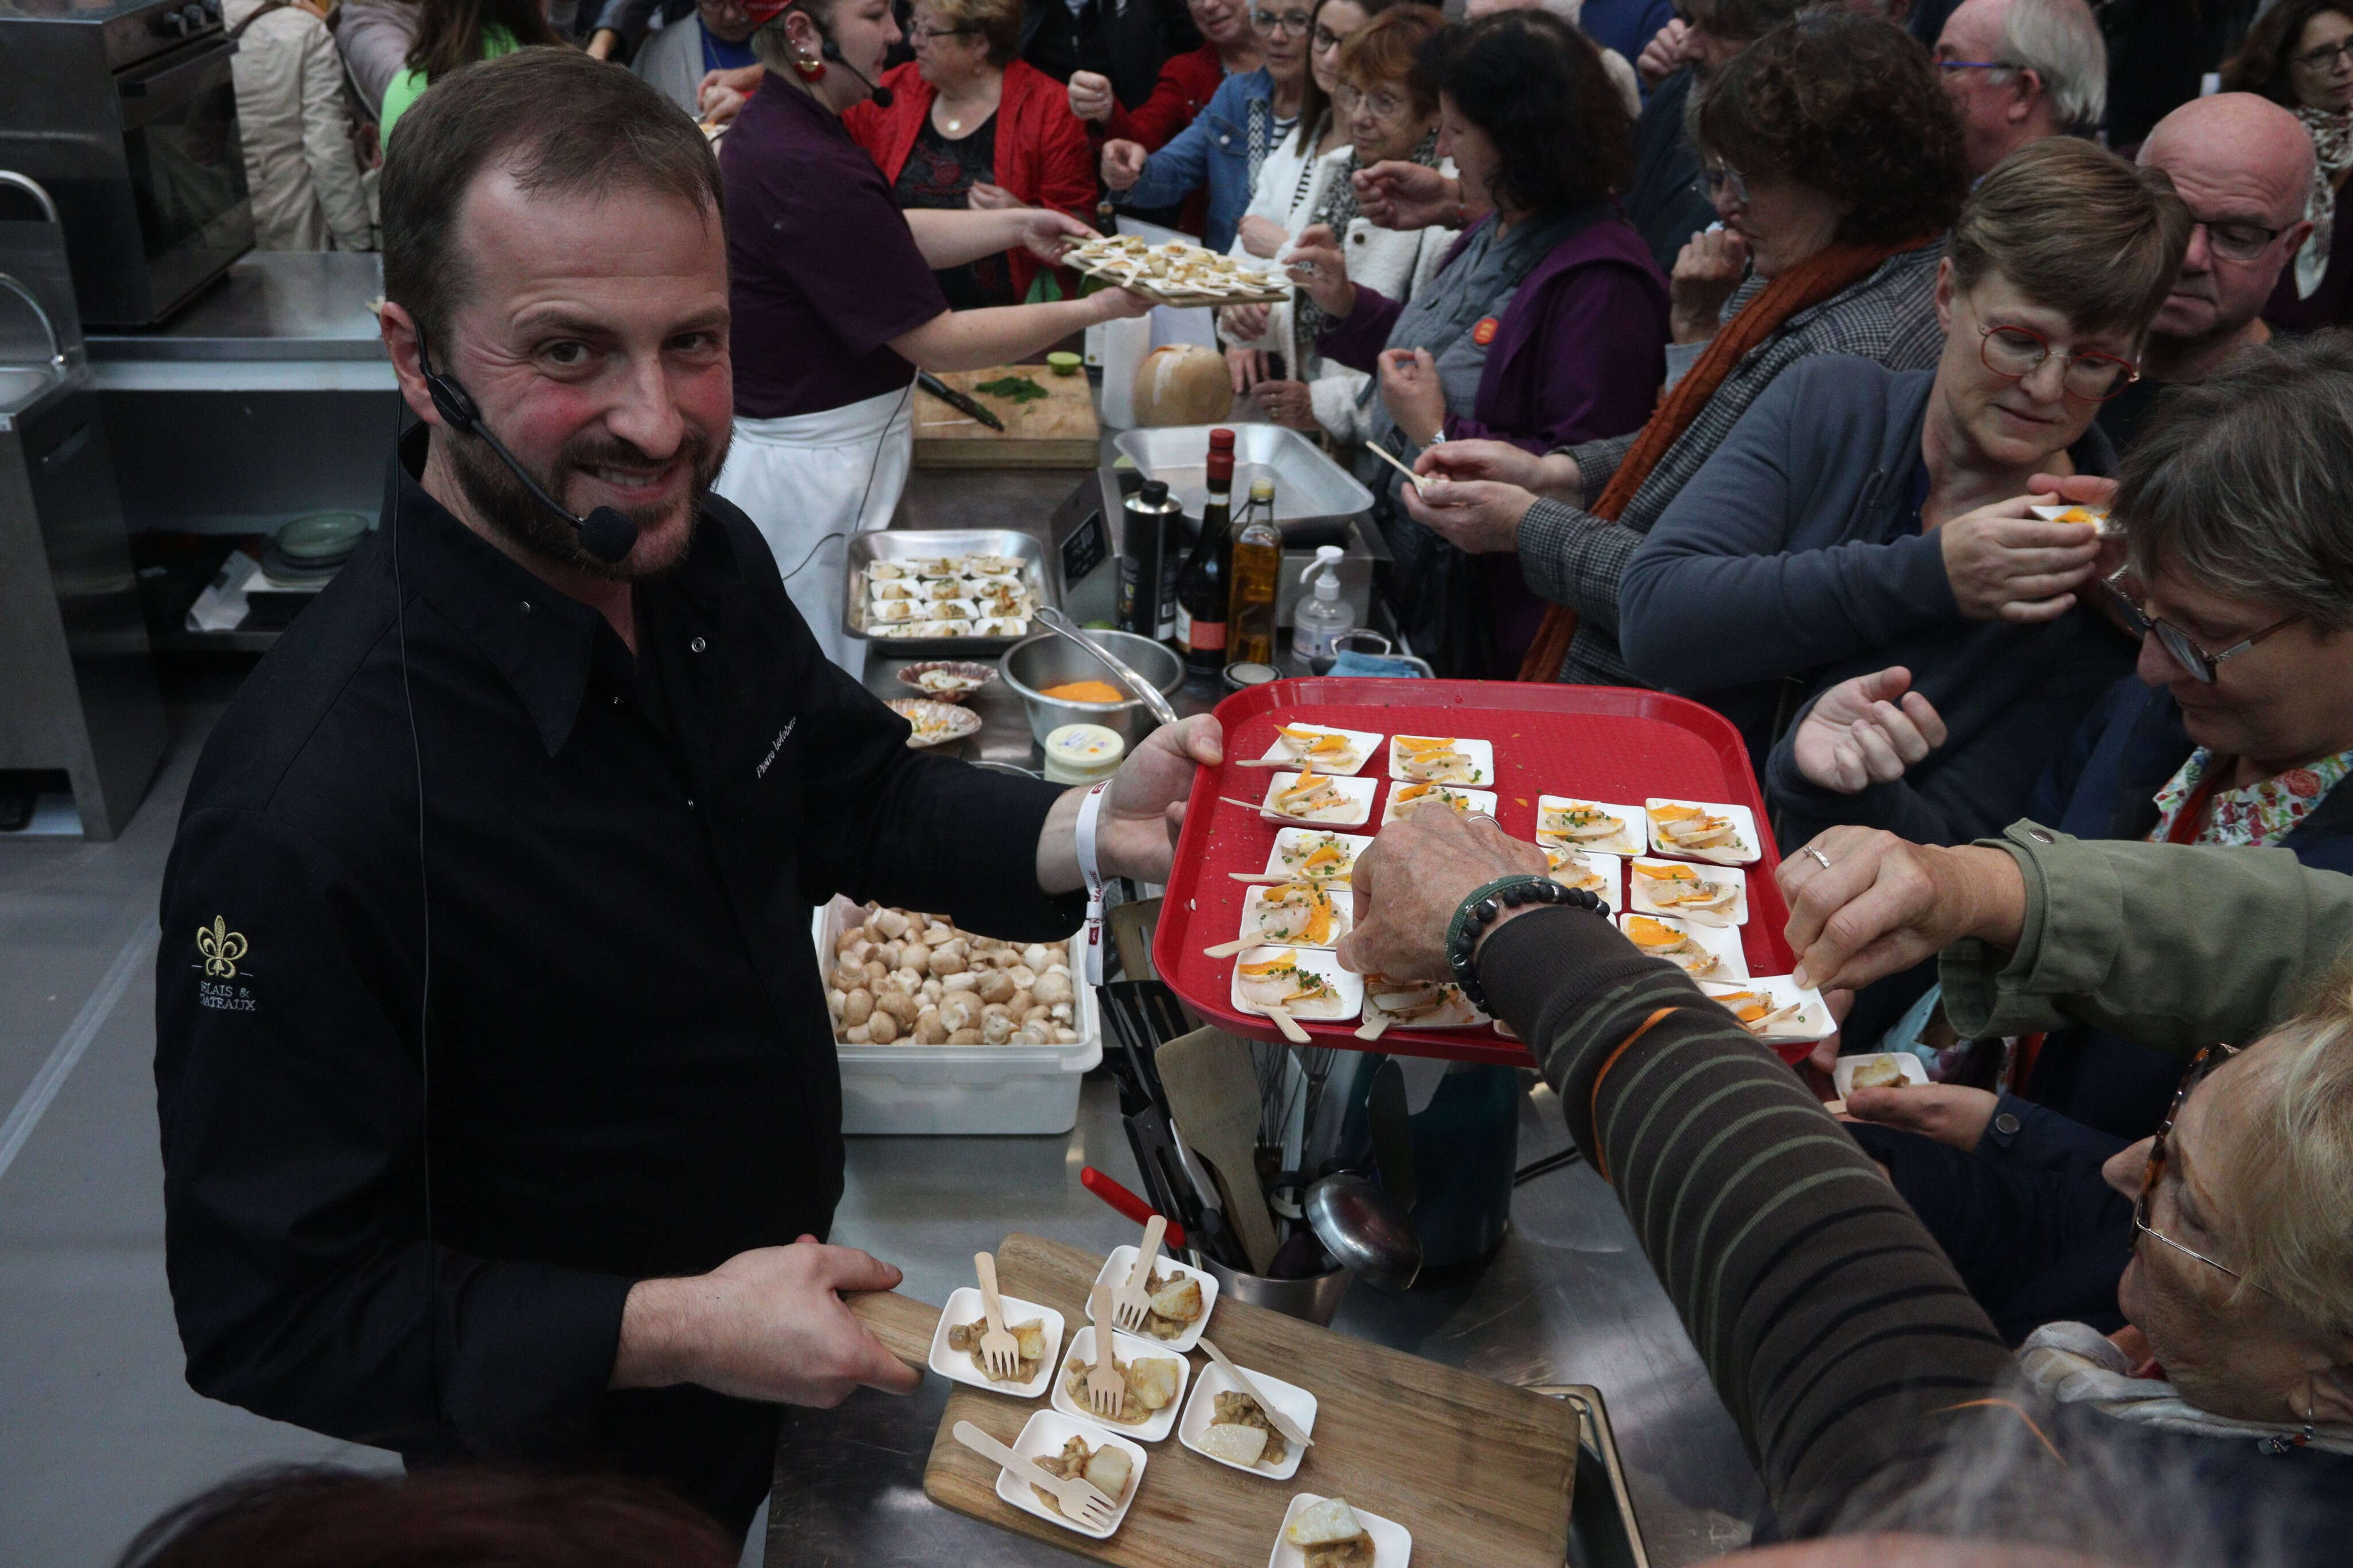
x,y
221,948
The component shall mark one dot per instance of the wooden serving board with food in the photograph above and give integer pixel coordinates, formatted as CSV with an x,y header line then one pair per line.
x,y
1479,1472
1049,421
1175,273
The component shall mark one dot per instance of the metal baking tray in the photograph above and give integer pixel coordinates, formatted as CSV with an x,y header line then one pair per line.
x,y
1308,486
1603,1532
907,544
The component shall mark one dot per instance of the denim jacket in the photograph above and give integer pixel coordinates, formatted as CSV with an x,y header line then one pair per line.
x,y
1214,149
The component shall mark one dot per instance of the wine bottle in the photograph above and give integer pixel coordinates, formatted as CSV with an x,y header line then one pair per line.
x,y
1258,563
1202,587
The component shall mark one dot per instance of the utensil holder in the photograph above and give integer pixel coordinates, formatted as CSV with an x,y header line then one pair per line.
x,y
1314,1300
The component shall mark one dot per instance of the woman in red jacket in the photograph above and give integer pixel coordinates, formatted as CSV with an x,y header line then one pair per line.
x,y
970,125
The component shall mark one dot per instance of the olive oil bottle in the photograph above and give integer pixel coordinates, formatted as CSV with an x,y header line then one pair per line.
x,y
1257,566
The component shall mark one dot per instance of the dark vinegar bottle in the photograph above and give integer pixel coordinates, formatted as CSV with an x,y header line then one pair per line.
x,y
1203,586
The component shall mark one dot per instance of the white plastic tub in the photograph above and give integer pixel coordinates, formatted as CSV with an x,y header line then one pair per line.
x,y
961,1090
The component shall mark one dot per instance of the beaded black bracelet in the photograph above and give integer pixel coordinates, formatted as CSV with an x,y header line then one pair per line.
x,y
1479,911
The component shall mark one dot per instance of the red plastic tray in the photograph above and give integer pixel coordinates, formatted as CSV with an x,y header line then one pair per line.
x,y
1599,742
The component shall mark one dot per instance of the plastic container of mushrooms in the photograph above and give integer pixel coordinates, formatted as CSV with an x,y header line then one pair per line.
x,y
945,1032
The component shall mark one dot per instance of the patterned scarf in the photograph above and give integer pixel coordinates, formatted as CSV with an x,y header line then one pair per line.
x,y
2332,154
1336,209
1829,272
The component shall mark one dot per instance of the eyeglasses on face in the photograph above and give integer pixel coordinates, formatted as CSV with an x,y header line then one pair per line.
x,y
1324,40
1721,182
2326,57
1945,65
2018,353
926,34
2237,240
1380,105
2204,667
1292,23
2200,1066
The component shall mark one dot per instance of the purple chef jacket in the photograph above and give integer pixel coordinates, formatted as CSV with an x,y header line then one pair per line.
x,y
822,269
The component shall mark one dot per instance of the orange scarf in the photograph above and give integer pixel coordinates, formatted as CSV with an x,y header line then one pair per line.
x,y
1828,272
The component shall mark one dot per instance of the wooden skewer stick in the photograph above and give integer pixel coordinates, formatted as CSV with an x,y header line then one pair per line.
x,y
1245,804
1262,878
1375,1024
1228,949
1288,1025
1391,458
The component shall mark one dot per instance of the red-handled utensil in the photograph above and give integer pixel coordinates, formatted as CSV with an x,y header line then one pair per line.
x,y
1126,1202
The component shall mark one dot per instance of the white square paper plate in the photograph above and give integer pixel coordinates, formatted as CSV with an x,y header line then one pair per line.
x,y
1316,961
1610,868
1392,1542
1043,1438
1363,746
1358,811
1842,1074
2101,523
1288,1398
1743,820
1299,839
1124,1346
1481,802
1481,753
1121,1263
1342,906
1731,960
1814,1023
1461,1015
964,1307
1638,890
1627,840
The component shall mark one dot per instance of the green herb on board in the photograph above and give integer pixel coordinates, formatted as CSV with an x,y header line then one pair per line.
x,y
1018,388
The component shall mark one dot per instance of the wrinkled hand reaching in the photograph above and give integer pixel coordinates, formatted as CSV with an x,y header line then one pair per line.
x,y
1881,904
1855,736
1410,882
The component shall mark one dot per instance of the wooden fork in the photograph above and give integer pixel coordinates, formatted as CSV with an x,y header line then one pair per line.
x,y
1106,1389
999,1352
1133,1303
1078,1499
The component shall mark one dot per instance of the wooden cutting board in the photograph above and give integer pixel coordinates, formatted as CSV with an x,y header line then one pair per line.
x,y
1057,431
1478,1471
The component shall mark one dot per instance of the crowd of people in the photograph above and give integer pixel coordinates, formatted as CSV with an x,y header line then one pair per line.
x,y
1749,350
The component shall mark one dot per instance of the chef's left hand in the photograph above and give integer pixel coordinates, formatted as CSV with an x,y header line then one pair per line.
x,y
1136,835
1410,391
1046,234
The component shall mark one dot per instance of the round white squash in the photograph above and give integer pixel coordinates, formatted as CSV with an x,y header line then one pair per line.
x,y
1183,383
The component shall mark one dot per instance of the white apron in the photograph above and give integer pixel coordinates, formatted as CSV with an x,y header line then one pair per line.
x,y
836,472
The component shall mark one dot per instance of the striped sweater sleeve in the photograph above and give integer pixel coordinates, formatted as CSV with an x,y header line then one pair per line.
x,y
1836,1331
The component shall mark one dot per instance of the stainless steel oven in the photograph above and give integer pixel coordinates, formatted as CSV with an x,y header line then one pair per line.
x,y
125,110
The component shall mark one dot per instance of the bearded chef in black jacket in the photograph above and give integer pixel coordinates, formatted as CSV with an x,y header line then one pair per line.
x,y
533,838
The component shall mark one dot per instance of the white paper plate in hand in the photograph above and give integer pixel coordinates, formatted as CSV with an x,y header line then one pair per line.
x,y
1356,813
1639,888
1723,942
2099,521
1481,754
1288,1399
1842,1074
1814,1022
1743,821
1045,1436
1362,746
1254,901
1392,1542
1121,1263
1304,841
1610,868
964,1307
1124,1346
1476,802
1346,1004
1627,840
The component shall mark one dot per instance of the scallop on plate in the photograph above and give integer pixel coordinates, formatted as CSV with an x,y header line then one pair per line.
x,y
1416,1005
1604,874
1704,895
1309,914
2096,518
1304,981
1404,799
1704,952
1776,1010
934,723
1574,822
1322,747
1441,759
1311,796
1312,855
1702,830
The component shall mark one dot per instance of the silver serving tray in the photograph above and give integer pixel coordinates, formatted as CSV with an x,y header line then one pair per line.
x,y
908,544
1308,486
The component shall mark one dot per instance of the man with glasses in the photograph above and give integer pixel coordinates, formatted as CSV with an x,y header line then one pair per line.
x,y
2019,70
677,57
2244,165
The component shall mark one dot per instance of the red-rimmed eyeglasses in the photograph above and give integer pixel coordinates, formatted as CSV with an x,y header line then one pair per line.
x,y
2019,352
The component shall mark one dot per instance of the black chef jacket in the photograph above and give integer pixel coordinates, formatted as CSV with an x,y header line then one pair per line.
x,y
630,1067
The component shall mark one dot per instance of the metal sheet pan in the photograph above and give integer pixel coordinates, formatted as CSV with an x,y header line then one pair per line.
x,y
1308,486
907,544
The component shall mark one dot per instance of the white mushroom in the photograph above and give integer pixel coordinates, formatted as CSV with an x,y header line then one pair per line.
x,y
948,961
932,990
929,1030
893,923
1037,956
939,934
906,980
1060,1012
858,1006
1066,1037
966,981
899,1006
1023,974
856,1035
915,956
1053,988
998,987
964,1037
833,1002
996,1031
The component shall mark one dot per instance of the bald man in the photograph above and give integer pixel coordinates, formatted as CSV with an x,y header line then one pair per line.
x,y
2244,165
2020,70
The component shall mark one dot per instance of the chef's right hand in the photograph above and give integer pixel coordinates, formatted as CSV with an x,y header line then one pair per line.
x,y
767,1324
1091,94
1122,163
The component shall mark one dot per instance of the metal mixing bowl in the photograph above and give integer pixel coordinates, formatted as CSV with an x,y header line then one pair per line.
x,y
1032,664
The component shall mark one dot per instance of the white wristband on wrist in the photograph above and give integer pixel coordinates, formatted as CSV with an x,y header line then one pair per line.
x,y
1091,871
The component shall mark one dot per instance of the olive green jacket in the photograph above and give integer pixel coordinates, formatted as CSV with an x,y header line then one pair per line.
x,y
2171,946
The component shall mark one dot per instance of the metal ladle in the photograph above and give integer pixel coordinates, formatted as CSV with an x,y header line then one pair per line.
x,y
1054,621
1364,1230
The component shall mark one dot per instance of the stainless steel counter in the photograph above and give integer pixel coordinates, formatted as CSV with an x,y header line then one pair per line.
x,y
278,321
1568,1298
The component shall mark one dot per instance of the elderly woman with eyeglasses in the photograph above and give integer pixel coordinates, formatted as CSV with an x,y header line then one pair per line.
x,y
2300,56
1247,120
1856,578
